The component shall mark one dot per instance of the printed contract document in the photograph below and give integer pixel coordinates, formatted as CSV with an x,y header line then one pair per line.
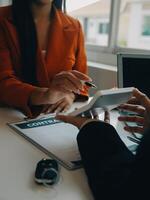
x,y
55,138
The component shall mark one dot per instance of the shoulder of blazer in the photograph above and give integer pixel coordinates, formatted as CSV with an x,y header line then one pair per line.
x,y
69,20
5,11
6,14
7,24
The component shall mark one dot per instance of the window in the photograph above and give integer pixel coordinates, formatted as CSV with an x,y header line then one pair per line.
x,y
5,2
94,16
112,26
146,26
134,23
103,28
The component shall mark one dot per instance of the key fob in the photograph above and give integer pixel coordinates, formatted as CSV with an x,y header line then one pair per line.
x,y
47,172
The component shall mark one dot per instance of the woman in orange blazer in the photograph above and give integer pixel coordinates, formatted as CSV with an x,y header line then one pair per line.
x,y
42,58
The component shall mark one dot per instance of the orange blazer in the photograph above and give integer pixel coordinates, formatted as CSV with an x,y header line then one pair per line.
x,y
65,52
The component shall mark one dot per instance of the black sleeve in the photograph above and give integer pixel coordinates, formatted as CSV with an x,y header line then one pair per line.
x,y
140,176
105,157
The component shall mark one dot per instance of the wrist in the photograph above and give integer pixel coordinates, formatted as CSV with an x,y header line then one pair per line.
x,y
38,96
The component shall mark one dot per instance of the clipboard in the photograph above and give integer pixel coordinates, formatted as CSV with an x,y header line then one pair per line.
x,y
53,137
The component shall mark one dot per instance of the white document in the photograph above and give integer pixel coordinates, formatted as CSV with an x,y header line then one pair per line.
x,y
56,139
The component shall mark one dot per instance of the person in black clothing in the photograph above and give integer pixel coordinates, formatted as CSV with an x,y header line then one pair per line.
x,y
113,171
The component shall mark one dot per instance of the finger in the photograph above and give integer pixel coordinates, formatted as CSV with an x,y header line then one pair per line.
x,y
76,121
91,114
53,107
134,108
49,110
69,86
45,108
81,76
57,107
68,119
107,117
96,114
70,77
135,119
88,114
136,129
66,108
55,94
61,107
133,100
142,98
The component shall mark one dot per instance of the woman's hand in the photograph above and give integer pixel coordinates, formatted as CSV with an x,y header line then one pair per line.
x,y
69,81
63,84
46,96
79,121
143,112
61,106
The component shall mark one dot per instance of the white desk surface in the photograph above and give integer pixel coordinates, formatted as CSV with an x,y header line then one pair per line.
x,y
17,167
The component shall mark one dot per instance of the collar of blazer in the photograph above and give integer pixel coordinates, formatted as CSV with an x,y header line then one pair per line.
x,y
67,23
62,23
63,20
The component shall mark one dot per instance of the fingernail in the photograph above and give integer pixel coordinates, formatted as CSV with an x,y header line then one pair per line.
x,y
78,92
57,111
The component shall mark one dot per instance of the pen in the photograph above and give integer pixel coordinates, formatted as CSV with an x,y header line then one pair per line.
x,y
89,84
